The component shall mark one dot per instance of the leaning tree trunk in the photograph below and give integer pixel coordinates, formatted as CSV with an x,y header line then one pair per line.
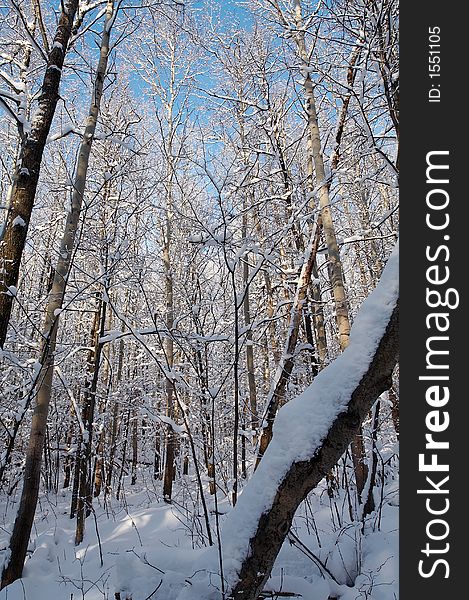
x,y
26,174
322,182
25,516
304,448
318,315
286,365
304,476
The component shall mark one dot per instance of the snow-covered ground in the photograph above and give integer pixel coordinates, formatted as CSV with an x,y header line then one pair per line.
x,y
149,550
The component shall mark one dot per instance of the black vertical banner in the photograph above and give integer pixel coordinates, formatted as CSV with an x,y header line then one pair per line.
x,y
434,353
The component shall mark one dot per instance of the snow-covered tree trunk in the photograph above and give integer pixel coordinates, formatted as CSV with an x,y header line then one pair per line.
x,y
304,476
26,177
310,435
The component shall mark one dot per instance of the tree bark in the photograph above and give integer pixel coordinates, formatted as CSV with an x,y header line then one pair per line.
x,y
116,409
134,447
170,468
394,399
369,505
26,176
249,343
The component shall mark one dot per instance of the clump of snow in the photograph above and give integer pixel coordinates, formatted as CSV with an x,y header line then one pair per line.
x,y
18,222
111,336
65,130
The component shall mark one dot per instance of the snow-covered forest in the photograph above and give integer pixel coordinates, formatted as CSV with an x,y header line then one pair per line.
x,y
198,299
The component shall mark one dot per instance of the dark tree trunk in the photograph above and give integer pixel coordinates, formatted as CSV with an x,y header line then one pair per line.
x,y
360,467
134,448
170,467
394,398
369,506
85,461
26,176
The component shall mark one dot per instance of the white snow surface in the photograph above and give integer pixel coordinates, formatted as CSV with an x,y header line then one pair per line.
x,y
300,427
136,540
141,536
